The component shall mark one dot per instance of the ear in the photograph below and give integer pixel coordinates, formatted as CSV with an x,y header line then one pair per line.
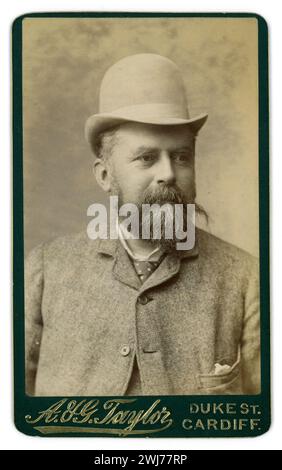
x,y
101,173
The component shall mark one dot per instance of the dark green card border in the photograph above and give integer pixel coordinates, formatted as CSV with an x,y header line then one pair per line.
x,y
24,404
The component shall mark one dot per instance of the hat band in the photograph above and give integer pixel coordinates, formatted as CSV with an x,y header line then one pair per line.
x,y
152,111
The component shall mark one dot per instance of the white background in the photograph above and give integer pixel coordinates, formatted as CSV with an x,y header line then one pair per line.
x,y
10,438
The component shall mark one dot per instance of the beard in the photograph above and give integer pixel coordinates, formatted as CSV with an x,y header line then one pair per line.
x,y
163,221
157,222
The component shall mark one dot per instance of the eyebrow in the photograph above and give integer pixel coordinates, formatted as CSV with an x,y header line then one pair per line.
x,y
183,149
144,149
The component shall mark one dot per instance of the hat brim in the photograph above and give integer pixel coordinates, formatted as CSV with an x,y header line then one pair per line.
x,y
98,123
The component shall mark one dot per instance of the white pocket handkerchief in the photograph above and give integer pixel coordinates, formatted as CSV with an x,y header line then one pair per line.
x,y
221,369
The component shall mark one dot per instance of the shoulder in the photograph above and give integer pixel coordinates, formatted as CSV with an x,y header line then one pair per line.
x,y
224,254
75,243
66,246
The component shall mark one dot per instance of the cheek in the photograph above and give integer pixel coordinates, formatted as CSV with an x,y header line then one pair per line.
x,y
135,188
132,184
185,178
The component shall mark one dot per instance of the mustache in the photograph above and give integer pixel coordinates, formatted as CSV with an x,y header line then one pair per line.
x,y
168,194
164,193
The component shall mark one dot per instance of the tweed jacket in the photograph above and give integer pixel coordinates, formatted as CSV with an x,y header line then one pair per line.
x,y
192,327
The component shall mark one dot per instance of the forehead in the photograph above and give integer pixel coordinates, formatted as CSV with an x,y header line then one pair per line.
x,y
134,135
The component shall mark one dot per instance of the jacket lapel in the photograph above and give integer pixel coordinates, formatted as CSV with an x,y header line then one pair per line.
x,y
168,268
124,271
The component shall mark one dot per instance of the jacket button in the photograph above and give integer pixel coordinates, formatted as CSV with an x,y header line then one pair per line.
x,y
143,299
125,350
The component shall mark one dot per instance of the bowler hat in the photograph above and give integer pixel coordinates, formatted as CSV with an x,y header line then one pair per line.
x,y
144,88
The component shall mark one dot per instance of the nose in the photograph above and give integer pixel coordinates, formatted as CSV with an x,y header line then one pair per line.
x,y
165,170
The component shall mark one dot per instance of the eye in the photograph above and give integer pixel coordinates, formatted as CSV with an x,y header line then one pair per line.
x,y
147,157
182,157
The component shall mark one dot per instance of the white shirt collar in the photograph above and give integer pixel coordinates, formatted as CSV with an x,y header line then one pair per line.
x,y
124,235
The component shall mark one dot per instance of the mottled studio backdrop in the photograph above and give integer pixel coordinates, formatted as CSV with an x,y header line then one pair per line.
x,y
64,61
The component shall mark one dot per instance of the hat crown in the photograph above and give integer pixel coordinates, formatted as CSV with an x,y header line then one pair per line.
x,y
141,88
142,79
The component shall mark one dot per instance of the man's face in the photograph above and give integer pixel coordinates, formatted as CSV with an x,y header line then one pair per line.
x,y
151,160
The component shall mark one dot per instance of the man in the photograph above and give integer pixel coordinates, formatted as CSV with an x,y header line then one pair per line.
x,y
135,316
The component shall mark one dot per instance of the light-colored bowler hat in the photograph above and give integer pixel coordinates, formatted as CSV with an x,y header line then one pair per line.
x,y
144,88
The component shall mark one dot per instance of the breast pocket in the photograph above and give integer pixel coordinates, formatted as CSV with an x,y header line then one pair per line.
x,y
227,382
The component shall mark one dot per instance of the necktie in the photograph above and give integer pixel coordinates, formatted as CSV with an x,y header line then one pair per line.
x,y
144,269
